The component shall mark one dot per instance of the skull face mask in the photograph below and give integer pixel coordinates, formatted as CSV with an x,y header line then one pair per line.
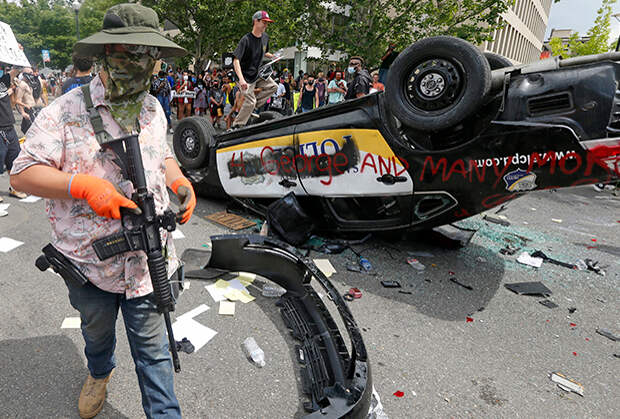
x,y
129,78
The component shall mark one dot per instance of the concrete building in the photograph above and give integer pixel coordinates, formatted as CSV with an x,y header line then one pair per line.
x,y
564,35
521,39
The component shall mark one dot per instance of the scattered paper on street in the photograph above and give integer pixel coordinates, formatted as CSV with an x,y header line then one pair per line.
x,y
325,266
194,312
7,244
178,234
232,290
217,293
238,295
196,333
227,308
246,278
30,199
71,323
526,259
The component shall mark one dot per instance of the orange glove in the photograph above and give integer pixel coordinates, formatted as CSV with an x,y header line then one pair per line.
x,y
183,188
102,196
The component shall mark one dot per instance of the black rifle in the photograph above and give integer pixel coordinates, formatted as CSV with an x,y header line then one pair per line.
x,y
142,232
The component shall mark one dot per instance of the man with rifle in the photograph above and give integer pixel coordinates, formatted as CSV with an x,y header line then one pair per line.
x,y
86,153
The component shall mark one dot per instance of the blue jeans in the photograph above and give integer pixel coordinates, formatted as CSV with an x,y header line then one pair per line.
x,y
9,148
383,72
147,340
165,103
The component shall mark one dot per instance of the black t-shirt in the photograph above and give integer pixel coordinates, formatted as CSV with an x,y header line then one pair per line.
x,y
216,95
74,82
360,84
6,112
307,98
389,60
250,53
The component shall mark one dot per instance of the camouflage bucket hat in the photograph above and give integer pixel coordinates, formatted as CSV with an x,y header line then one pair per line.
x,y
131,24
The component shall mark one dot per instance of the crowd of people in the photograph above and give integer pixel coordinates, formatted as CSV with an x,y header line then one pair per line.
x,y
216,93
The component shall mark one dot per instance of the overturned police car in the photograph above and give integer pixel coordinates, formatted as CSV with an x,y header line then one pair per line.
x,y
456,132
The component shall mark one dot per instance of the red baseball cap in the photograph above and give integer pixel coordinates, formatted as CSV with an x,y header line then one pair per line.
x,y
262,15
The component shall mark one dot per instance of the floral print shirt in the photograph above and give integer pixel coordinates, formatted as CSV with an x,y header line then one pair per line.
x,y
62,137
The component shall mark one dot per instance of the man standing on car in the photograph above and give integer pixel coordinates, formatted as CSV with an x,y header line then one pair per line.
x,y
248,57
62,161
361,83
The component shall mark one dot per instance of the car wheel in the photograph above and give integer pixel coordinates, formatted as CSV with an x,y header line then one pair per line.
x,y
191,141
265,116
437,82
497,61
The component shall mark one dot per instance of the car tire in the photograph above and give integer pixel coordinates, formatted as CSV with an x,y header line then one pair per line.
x,y
192,139
497,61
265,116
437,82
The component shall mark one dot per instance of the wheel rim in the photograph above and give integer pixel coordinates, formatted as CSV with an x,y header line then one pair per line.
x,y
190,144
434,84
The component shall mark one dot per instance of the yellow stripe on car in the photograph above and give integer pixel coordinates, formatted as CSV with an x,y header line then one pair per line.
x,y
367,141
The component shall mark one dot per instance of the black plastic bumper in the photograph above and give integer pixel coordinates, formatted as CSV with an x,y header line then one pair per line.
x,y
338,383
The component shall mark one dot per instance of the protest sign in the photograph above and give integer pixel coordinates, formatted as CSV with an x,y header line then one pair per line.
x,y
10,50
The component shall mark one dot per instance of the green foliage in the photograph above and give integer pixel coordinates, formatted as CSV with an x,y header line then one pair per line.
x,y
373,24
91,15
557,47
41,24
209,28
598,34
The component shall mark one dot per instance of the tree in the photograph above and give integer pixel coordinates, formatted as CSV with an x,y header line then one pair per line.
x,y
597,38
210,28
91,15
41,24
356,27
366,27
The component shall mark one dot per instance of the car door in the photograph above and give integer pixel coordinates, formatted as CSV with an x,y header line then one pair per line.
x,y
257,161
343,155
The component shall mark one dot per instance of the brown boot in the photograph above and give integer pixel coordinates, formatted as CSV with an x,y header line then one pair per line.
x,y
92,396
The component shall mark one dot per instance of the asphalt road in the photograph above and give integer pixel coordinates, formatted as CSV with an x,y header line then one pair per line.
x,y
420,343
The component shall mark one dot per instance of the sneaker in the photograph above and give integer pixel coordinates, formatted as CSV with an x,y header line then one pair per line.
x,y
92,396
17,194
598,187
